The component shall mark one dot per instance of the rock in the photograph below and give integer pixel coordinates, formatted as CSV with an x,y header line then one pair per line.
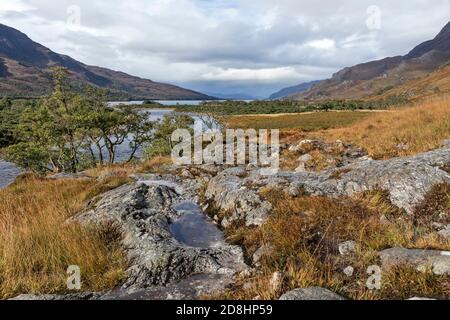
x,y
445,232
311,293
349,271
347,247
303,162
190,288
422,260
305,158
446,143
276,281
298,147
72,296
264,250
143,213
186,174
229,193
406,179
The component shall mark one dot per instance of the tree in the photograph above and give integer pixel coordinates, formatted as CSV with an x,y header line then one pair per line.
x,y
5,103
67,132
161,144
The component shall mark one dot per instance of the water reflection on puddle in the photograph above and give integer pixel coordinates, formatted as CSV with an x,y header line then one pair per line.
x,y
194,229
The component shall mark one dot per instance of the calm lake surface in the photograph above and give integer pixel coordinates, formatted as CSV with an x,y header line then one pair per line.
x,y
8,172
163,102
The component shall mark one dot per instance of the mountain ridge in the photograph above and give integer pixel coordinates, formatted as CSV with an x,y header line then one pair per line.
x,y
285,92
25,71
370,78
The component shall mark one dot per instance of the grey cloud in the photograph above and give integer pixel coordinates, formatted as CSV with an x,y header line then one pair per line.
x,y
181,41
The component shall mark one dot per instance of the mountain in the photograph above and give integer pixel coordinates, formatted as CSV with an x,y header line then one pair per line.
x,y
283,93
434,84
376,77
25,71
233,96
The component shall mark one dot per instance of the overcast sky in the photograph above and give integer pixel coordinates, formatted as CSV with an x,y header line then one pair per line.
x,y
228,46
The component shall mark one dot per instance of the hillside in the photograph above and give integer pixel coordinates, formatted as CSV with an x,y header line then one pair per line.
x,y
293,90
436,83
25,72
377,77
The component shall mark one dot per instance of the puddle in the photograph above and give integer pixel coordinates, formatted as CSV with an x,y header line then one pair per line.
x,y
194,229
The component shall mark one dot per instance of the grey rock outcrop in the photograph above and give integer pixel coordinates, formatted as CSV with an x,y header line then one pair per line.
x,y
347,247
407,180
445,232
436,261
144,213
43,297
311,293
230,194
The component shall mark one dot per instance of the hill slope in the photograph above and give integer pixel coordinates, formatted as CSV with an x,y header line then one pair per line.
x,y
434,84
376,77
293,90
25,72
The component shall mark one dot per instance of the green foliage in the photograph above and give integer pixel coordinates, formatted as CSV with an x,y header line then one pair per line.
x,y
29,155
383,90
287,106
10,112
67,132
5,103
162,144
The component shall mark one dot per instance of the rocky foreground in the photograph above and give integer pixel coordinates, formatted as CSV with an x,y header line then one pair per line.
x,y
164,264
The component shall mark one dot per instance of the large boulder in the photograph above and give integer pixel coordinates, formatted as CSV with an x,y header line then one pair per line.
x,y
144,213
229,192
436,261
406,179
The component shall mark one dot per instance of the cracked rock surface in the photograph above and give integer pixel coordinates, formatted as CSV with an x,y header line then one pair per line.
x,y
144,212
407,180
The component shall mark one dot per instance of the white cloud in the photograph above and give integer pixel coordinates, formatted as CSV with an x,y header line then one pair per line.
x,y
323,44
14,5
218,42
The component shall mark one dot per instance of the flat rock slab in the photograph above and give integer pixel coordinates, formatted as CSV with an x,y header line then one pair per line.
x,y
55,297
422,260
407,180
190,288
145,213
311,293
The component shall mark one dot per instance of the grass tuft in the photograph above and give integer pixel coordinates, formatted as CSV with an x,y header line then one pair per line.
x,y
37,244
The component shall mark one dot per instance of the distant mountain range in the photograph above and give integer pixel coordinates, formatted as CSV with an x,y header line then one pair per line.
x,y
25,72
293,90
234,96
400,75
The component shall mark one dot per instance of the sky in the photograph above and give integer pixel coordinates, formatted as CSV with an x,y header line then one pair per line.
x,y
254,47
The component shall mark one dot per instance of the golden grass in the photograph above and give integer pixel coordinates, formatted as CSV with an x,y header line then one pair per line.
x,y
37,244
305,121
155,164
304,234
402,132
